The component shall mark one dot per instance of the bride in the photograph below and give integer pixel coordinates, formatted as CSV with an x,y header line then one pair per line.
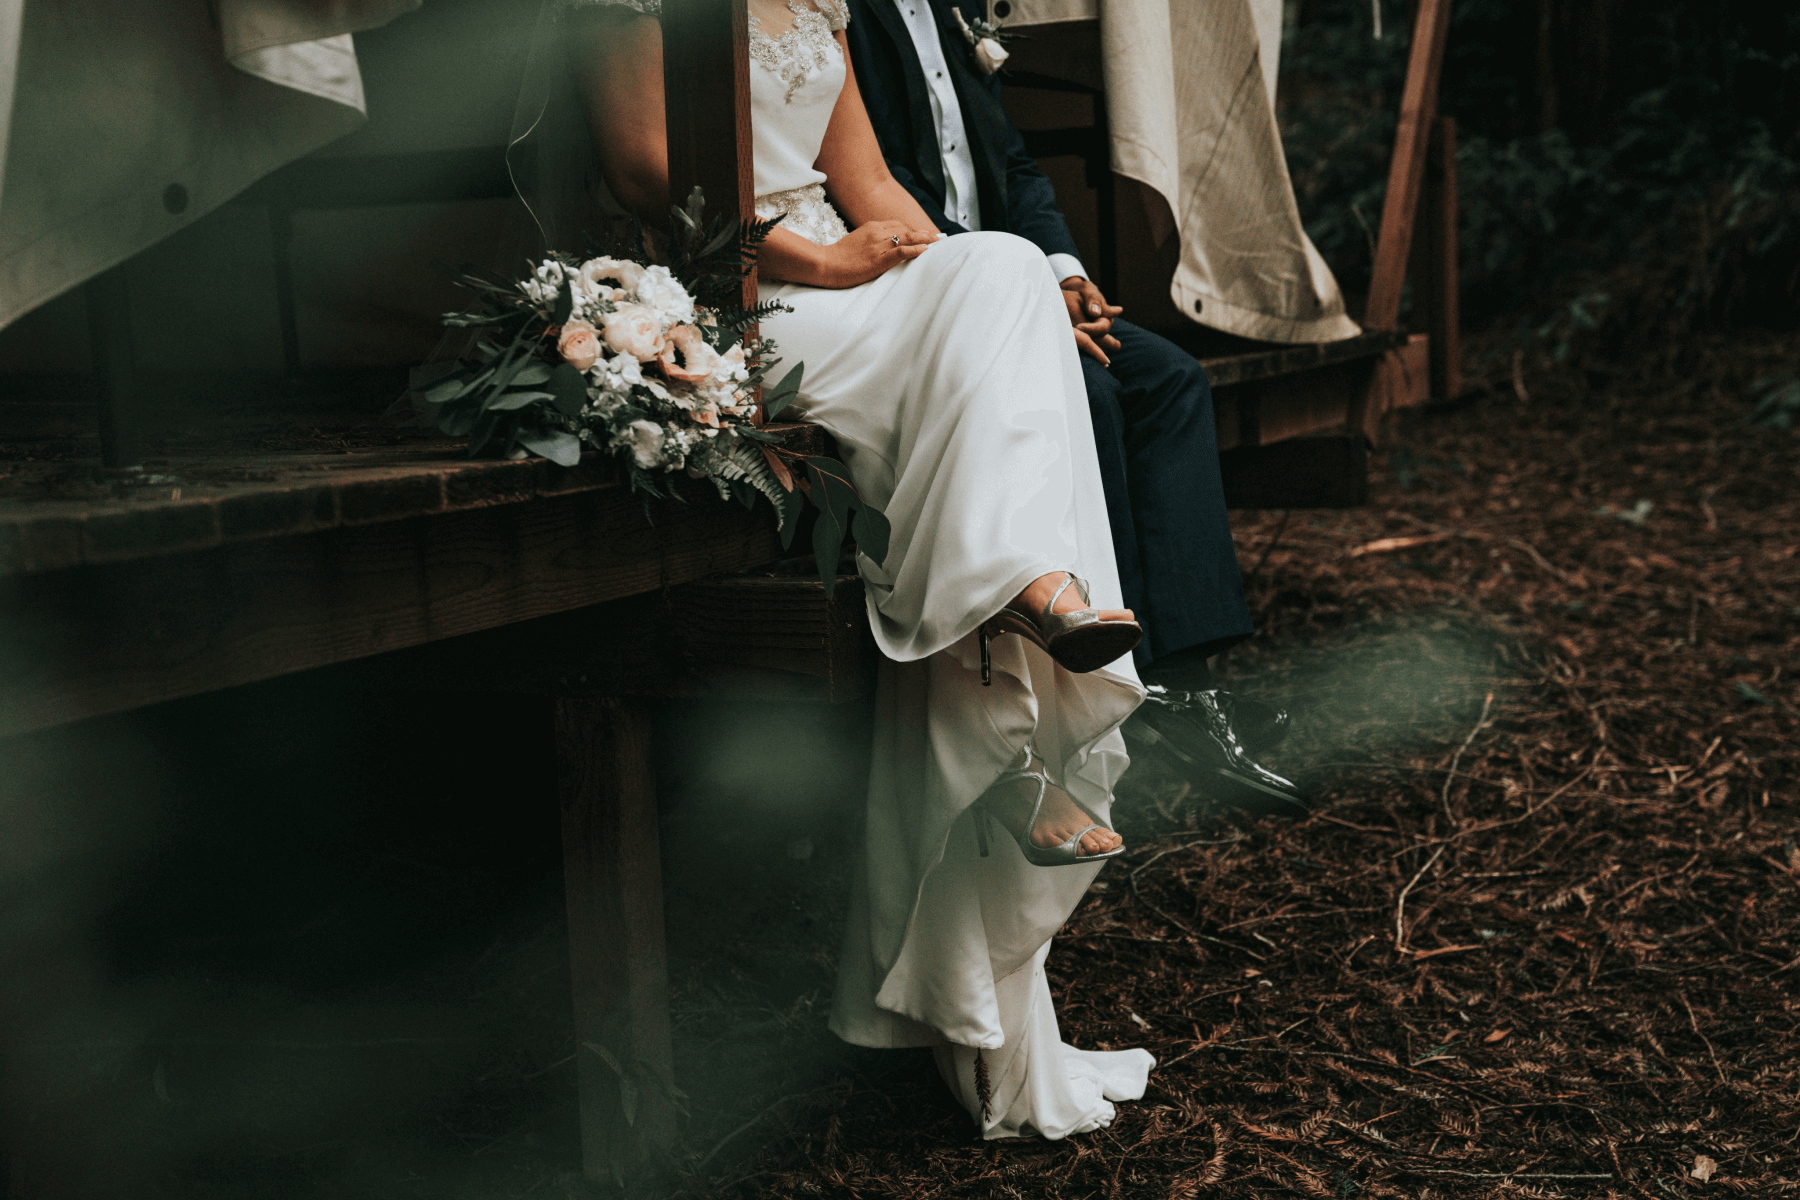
x,y
946,371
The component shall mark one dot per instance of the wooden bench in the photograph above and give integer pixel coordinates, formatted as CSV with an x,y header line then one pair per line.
x,y
414,568
1295,422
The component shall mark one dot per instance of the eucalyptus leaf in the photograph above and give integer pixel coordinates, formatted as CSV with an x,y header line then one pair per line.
x,y
628,1098
485,429
561,448
508,401
536,372
443,393
828,543
783,393
426,374
792,504
568,388
873,532
458,422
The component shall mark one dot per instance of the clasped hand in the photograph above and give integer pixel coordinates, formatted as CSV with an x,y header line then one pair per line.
x,y
1092,317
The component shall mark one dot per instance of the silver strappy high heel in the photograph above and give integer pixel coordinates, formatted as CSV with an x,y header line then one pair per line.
x,y
1068,853
1079,641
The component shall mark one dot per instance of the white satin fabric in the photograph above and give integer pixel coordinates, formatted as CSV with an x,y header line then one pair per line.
x,y
952,386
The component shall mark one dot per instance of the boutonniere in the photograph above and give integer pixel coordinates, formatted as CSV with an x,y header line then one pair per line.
x,y
985,37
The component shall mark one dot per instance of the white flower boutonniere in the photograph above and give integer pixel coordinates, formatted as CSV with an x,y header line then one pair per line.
x,y
985,37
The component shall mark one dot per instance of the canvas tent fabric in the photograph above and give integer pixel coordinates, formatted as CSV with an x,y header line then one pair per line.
x,y
1190,97
124,121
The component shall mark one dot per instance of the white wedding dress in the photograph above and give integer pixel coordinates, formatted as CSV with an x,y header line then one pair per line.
x,y
952,387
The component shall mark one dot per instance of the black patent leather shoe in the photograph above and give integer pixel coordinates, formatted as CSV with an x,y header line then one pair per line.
x,y
1209,737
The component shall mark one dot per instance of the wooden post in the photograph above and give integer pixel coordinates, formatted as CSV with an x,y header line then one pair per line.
x,y
706,96
1436,311
618,966
1406,171
109,329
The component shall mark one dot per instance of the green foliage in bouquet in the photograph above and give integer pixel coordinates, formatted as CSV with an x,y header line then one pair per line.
x,y
653,364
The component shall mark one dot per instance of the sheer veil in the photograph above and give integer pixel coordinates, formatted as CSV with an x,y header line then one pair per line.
x,y
550,154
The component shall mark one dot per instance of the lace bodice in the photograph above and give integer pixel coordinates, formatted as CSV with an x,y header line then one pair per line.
x,y
835,12
795,79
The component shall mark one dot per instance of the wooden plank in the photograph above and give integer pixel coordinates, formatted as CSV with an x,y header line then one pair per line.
x,y
100,639
1402,379
1406,170
1224,370
1433,270
1273,408
197,502
726,637
706,97
618,965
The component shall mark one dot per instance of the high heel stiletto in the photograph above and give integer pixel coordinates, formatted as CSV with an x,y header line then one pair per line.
x,y
1079,641
1065,854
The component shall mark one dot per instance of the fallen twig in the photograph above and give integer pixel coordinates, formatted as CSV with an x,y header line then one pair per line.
x,y
1400,906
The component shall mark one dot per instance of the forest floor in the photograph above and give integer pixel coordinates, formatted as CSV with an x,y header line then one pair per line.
x,y
1539,937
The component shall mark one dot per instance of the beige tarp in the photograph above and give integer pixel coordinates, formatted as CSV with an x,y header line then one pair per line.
x,y
131,119
1190,94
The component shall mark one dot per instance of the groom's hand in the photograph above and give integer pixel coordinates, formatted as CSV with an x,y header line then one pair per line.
x,y
1091,316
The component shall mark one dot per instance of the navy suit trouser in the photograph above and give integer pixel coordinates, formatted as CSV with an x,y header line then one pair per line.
x,y
1159,466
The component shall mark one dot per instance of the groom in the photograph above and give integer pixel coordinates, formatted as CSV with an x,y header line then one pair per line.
x,y
948,140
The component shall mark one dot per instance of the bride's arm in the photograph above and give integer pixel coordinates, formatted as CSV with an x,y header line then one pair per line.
x,y
856,175
618,65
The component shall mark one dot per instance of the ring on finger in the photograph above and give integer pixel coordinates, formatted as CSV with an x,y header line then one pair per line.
x,y
895,238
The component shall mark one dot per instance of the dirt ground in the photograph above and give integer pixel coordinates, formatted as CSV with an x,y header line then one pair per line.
x,y
1537,939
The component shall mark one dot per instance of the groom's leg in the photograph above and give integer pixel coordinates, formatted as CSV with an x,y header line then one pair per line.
x,y
1103,395
1193,597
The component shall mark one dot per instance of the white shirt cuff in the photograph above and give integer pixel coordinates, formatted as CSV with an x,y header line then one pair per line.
x,y
1066,265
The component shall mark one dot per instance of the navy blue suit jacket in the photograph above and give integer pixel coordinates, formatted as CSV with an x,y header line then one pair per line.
x,y
1015,196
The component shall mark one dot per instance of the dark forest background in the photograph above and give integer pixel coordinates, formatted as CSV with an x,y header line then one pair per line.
x,y
1627,171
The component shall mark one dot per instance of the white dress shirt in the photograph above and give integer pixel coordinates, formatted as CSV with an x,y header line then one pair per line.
x,y
962,203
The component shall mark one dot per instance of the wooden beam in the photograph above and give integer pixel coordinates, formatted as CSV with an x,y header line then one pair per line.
x,y
1436,310
99,639
1303,472
727,637
618,965
115,369
706,97
1406,170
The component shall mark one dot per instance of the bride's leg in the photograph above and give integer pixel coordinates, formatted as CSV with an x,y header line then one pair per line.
x,y
1057,819
1060,816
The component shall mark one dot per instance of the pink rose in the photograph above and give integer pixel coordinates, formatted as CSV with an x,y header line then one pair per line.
x,y
632,329
579,344
687,357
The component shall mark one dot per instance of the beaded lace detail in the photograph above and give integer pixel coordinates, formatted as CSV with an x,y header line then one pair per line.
x,y
650,8
807,212
808,45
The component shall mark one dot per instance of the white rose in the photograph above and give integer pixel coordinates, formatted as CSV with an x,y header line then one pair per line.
x,y
622,371
544,283
633,329
646,443
990,54
610,279
663,293
731,367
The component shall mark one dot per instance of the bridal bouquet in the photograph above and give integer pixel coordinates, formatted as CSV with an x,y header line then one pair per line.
x,y
653,364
